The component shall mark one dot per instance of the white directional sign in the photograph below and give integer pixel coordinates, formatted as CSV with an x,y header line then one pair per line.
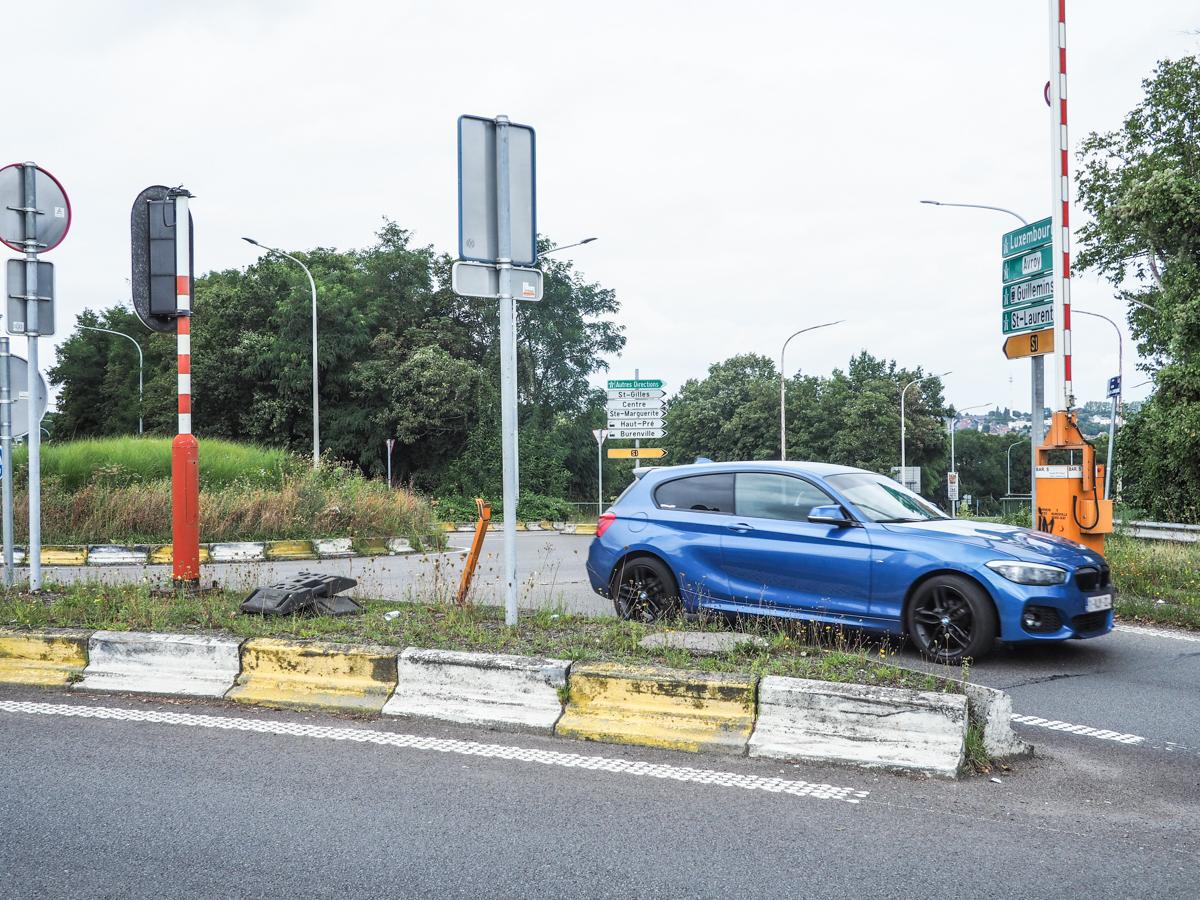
x,y
618,424
621,405
636,434
620,412
637,394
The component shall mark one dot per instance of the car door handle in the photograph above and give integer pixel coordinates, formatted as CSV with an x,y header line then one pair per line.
x,y
741,527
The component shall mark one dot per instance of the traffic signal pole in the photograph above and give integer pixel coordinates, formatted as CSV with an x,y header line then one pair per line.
x,y
185,452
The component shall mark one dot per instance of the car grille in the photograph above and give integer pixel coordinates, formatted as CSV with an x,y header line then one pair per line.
x,y
1093,621
1091,578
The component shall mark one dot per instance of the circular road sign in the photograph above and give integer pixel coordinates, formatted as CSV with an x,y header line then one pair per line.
x,y
54,209
18,389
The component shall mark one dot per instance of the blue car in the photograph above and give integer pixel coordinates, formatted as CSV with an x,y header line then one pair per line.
x,y
844,546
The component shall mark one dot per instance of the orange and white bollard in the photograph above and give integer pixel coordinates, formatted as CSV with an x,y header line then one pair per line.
x,y
185,451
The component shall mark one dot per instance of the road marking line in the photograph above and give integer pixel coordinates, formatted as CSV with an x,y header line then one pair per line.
x,y
1103,734
445,745
1159,632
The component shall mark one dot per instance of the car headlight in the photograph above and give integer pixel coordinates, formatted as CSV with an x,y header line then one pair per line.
x,y
1028,573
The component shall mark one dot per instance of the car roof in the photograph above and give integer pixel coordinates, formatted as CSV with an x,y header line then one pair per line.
x,y
818,469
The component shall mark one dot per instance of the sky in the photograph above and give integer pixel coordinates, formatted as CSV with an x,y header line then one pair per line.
x,y
748,169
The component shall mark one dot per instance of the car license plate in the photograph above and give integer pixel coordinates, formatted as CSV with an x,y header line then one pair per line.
x,y
1099,602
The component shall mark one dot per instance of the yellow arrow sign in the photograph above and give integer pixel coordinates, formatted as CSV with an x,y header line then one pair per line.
x,y
637,453
1035,343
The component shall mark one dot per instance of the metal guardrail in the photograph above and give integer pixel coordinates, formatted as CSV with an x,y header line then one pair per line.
x,y
1162,531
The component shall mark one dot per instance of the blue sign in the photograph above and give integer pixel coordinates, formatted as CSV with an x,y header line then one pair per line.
x,y
1114,386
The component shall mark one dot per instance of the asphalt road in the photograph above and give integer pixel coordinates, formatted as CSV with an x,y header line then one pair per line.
x,y
135,800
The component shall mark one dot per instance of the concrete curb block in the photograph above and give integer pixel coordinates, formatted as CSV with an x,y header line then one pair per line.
x,y
300,675
334,548
398,546
861,725
64,556
279,551
991,710
114,555
519,693
184,664
164,555
52,656
656,707
242,551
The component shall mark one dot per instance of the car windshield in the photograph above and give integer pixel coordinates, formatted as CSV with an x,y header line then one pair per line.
x,y
882,500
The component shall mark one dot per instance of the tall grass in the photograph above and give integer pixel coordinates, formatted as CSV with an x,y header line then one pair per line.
x,y
1158,581
120,461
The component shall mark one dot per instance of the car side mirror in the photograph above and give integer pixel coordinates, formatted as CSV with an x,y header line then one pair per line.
x,y
830,515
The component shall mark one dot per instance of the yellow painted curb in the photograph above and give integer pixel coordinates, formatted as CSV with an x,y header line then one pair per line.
x,y
163,556
447,526
290,550
585,528
371,547
656,707
64,556
53,657
294,674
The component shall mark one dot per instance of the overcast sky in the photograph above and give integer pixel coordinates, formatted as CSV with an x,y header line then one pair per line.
x,y
749,168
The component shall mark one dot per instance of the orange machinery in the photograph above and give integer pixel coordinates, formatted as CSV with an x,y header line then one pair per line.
x,y
1069,499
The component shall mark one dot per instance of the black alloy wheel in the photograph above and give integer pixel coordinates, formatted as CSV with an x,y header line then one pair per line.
x,y
950,618
644,591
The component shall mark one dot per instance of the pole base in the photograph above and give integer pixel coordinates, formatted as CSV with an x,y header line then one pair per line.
x,y
185,509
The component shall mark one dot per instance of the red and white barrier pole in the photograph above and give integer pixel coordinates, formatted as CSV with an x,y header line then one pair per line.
x,y
185,452
1061,194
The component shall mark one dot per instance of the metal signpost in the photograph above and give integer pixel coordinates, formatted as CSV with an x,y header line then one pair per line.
x,y
1114,394
1027,313
599,434
35,216
497,227
162,297
390,442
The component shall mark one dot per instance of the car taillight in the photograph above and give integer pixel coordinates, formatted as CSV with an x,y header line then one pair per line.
x,y
605,520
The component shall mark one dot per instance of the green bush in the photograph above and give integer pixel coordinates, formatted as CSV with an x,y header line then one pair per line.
x,y
532,508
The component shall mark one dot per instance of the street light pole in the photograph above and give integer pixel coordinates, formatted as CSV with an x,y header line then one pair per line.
x,y
316,414
140,363
1116,400
1037,377
903,460
783,386
565,247
1008,456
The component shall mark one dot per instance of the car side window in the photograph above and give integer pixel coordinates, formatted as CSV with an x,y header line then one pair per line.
x,y
698,493
764,495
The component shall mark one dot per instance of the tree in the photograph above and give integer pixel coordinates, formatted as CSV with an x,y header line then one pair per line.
x,y
1140,184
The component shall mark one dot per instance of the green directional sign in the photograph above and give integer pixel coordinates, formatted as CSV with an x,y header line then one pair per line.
x,y
1028,318
1026,238
1037,289
633,384
1039,262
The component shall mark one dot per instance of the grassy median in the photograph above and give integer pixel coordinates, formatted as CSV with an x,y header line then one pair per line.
x,y
1156,581
825,655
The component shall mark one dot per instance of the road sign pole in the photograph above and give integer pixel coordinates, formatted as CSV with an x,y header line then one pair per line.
x,y
637,444
35,426
1112,439
1037,423
185,452
600,477
6,460
508,371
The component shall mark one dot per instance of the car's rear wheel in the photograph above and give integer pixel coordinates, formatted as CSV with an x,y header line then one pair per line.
x,y
644,590
951,618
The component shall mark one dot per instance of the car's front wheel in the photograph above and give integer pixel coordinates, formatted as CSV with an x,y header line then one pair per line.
x,y
951,618
644,590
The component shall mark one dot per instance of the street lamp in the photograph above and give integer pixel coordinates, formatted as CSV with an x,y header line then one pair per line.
x,y
1008,455
952,421
1116,400
140,363
566,246
783,386
1021,219
902,424
316,451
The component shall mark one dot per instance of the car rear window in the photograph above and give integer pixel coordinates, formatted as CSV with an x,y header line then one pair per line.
x,y
765,495
699,493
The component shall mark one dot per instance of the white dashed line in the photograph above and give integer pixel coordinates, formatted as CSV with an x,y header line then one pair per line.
x,y
1159,632
444,745
1102,734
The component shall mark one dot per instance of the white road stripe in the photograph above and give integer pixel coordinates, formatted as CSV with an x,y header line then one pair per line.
x,y
444,745
1103,734
1179,635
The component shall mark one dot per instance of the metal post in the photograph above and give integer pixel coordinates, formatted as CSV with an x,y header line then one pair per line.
x,y
783,388
316,397
31,330
389,443
185,452
599,478
1112,437
1037,426
508,371
637,444
6,450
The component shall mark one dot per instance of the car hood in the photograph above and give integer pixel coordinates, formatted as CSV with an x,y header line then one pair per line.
x,y
1006,540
